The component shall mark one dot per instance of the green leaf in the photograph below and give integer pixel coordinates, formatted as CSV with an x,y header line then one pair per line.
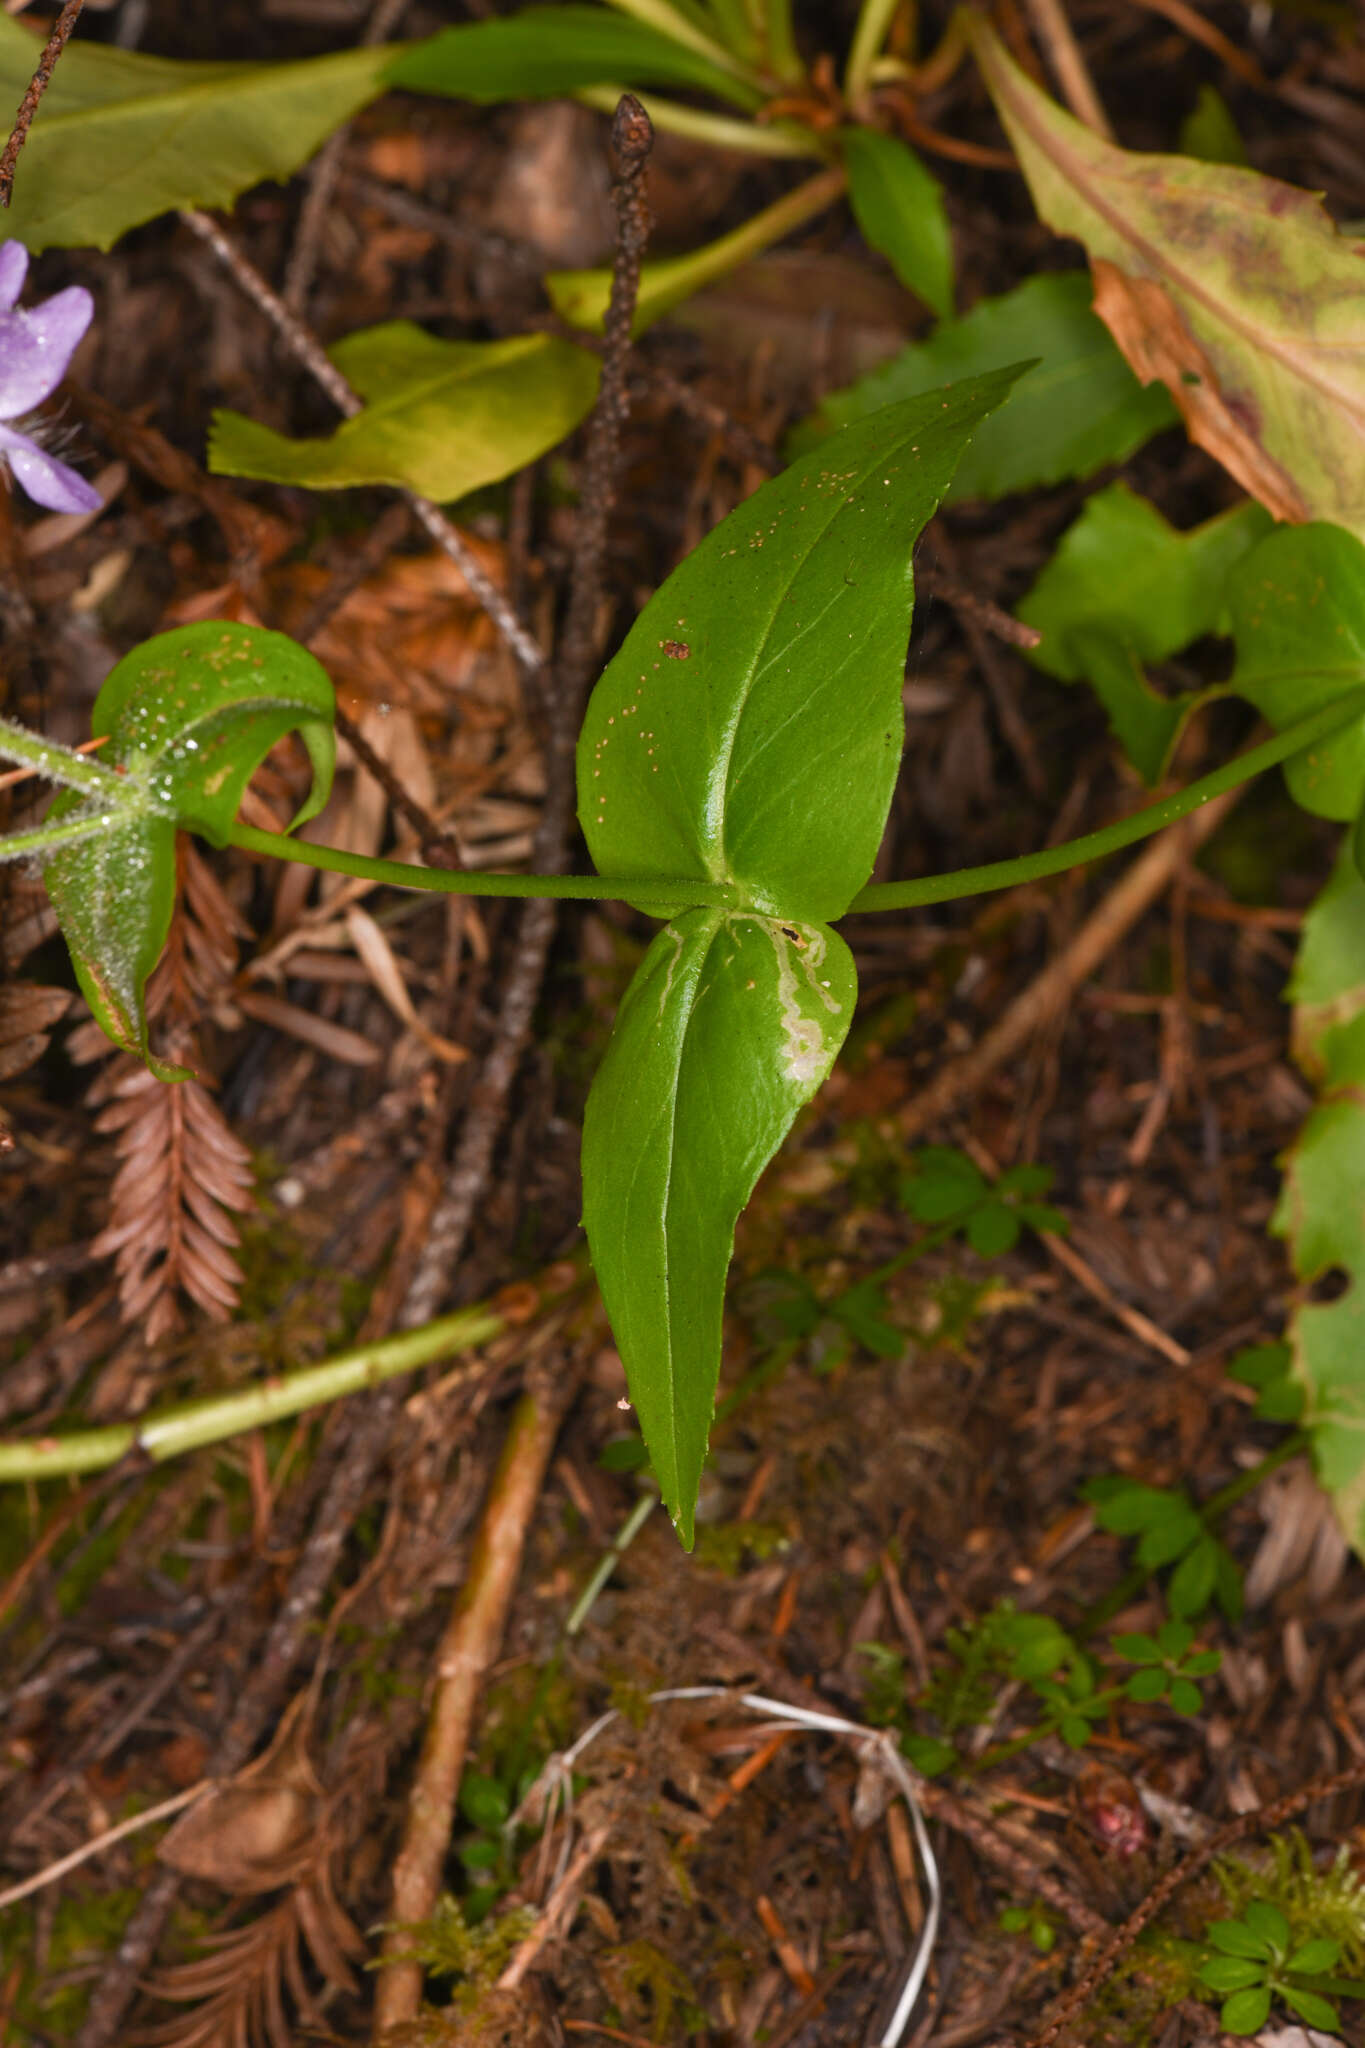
x,y
944,1184
1124,588
1174,1638
929,1754
1147,1685
862,1311
442,418
899,207
1315,1957
189,716
483,1801
1233,288
1269,1923
1193,1580
1125,1506
1074,1733
1231,1973
1236,1938
1025,1180
125,137
1322,1201
1267,1367
730,1025
1209,132
1168,1539
1137,1649
993,1230
1246,2012
1228,1588
544,52
1316,2011
1185,1696
1079,408
1202,1664
1298,611
749,731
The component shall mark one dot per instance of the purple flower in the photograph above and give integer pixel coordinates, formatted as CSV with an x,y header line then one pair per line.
x,y
36,344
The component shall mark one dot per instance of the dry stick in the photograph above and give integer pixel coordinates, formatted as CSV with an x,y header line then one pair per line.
x,y
1058,982
37,86
631,140
468,1647
308,350
1261,1820
1073,75
1013,724
298,276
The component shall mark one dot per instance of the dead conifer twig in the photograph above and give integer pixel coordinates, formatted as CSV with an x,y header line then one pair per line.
x,y
1262,1820
468,1647
52,1871
304,345
37,86
1046,996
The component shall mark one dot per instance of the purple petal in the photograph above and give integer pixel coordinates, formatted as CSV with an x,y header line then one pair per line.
x,y
52,484
36,344
13,271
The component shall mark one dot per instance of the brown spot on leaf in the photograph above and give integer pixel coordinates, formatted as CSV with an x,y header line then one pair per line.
x,y
676,650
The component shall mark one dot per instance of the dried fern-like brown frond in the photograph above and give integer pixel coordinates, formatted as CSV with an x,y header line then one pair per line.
x,y
243,1987
182,1173
27,1015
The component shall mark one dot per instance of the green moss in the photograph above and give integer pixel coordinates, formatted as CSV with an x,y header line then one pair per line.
x,y
50,2004
1319,1904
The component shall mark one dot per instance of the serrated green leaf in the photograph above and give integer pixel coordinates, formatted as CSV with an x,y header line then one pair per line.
x,y
1246,2012
1079,407
898,204
125,137
1298,612
189,716
442,418
730,1025
544,52
1233,288
1193,1580
749,731
1123,588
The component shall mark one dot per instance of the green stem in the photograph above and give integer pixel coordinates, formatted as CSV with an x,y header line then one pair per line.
x,y
1033,867
47,838
56,763
776,138
192,1424
873,24
407,875
784,59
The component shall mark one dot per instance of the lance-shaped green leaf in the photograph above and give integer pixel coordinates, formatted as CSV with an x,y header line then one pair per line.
x,y
899,207
731,1023
124,137
1079,407
1123,588
189,716
750,729
1298,613
1235,290
1322,1203
441,417
545,51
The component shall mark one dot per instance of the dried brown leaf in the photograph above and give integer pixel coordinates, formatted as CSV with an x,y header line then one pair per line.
x,y
27,1014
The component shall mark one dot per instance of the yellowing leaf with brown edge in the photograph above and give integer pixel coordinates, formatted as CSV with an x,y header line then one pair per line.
x,y
1232,288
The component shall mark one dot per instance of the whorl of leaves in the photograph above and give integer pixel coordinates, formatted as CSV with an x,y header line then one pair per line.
x,y
182,1173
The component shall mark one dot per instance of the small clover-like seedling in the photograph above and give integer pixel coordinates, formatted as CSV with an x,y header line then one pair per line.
x,y
1269,1369
1032,1921
947,1190
1168,1666
1170,1531
1254,1964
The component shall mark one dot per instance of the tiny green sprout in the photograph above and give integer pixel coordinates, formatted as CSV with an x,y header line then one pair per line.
x,y
1167,1666
1254,1963
947,1189
1032,1921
